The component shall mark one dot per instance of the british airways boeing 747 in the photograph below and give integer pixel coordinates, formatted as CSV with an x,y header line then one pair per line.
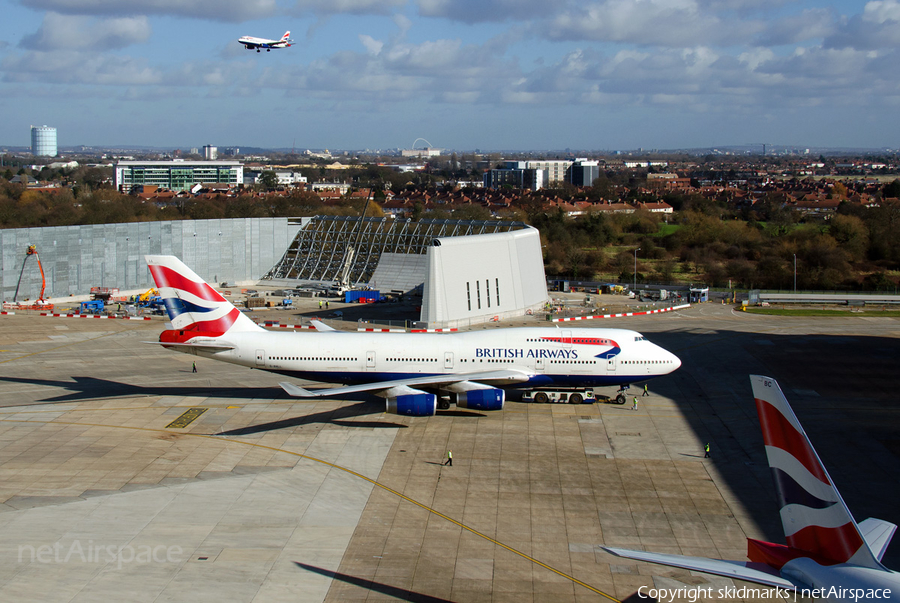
x,y
409,370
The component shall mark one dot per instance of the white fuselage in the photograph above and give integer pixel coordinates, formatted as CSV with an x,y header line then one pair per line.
x,y
251,42
552,356
842,582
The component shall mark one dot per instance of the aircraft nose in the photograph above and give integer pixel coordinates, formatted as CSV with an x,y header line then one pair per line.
x,y
676,361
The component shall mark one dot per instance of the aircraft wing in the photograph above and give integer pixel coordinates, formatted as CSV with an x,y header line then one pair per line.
x,y
878,534
504,377
758,573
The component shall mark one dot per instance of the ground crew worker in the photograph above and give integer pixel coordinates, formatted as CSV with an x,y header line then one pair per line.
x,y
634,404
449,460
645,391
706,448
320,304
193,367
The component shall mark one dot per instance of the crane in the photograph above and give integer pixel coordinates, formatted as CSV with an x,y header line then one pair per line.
x,y
41,304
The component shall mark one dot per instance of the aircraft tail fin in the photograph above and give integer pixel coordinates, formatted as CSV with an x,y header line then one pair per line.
x,y
286,36
815,519
192,305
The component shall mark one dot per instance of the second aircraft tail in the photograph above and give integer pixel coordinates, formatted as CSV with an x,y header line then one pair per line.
x,y
815,519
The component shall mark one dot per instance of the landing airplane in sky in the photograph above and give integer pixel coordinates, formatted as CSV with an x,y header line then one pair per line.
x,y
471,367
250,42
828,554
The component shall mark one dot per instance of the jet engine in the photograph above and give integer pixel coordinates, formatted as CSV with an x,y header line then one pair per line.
x,y
410,402
476,396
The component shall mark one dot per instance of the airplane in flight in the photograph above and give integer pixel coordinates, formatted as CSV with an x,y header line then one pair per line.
x,y
471,367
828,555
250,42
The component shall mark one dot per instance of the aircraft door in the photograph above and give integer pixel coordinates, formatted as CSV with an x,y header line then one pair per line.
x,y
566,339
539,365
370,361
611,365
448,360
260,358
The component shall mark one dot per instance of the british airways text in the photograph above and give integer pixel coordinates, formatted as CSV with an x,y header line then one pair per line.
x,y
521,353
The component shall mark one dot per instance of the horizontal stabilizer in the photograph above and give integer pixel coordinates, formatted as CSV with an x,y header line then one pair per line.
x,y
758,573
296,391
878,534
321,326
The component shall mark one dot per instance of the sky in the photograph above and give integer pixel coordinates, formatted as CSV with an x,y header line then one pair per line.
x,y
460,74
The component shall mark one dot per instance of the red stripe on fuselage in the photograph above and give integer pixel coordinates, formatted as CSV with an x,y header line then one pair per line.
x,y
582,340
166,277
778,432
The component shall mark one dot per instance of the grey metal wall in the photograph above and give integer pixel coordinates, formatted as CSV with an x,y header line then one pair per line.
x,y
76,258
473,279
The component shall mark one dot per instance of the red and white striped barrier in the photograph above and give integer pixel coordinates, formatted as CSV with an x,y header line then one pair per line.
x,y
95,316
278,325
5,313
453,330
622,314
370,330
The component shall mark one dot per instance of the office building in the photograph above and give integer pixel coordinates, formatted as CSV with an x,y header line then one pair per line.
x,y
516,174
177,175
584,172
556,169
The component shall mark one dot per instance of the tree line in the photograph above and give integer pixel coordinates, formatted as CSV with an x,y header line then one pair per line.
x,y
703,241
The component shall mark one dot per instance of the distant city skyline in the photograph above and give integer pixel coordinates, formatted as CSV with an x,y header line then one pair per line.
x,y
495,74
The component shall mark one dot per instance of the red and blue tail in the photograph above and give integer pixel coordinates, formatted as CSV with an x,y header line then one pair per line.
x,y
816,521
193,306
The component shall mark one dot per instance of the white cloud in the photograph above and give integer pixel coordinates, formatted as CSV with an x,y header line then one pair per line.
x,y
877,27
403,23
811,24
212,10
882,11
348,7
372,45
479,11
66,32
72,67
667,23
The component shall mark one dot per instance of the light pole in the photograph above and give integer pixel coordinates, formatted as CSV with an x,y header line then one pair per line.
x,y
795,273
634,286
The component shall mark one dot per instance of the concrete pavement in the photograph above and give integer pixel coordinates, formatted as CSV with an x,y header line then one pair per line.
x,y
266,498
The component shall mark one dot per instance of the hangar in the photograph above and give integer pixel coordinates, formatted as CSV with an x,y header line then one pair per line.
x,y
469,271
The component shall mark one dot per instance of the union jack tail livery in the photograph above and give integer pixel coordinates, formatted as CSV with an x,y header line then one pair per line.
x,y
827,552
195,308
816,521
